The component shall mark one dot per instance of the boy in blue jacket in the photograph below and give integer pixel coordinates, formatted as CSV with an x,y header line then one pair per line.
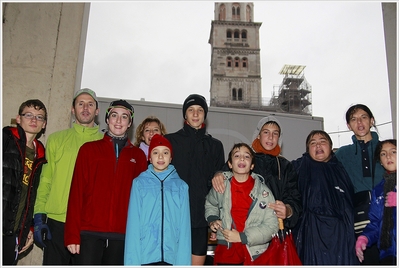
x,y
158,230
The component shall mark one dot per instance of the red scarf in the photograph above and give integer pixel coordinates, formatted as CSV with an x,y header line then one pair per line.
x,y
258,148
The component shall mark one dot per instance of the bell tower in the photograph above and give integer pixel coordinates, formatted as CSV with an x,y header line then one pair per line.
x,y
235,59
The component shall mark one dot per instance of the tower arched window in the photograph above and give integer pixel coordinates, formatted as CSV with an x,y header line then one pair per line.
x,y
248,14
236,35
239,97
234,94
236,11
229,34
244,35
229,62
236,62
244,63
222,12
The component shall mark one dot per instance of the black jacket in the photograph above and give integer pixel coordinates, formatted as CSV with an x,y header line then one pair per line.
x,y
196,157
282,180
14,146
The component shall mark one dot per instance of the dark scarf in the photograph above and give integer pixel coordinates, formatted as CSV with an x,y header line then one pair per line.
x,y
387,219
119,143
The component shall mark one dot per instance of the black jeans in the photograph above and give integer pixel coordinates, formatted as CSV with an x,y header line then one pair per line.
x,y
55,253
9,254
95,250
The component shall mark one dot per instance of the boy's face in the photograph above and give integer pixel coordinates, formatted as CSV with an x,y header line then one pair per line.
x,y
160,158
268,136
319,148
195,116
32,126
388,157
241,161
360,123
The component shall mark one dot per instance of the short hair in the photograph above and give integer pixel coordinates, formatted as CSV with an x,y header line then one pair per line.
x,y
238,146
378,148
38,105
320,132
140,128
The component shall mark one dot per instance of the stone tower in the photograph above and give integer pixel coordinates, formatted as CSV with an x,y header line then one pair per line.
x,y
235,59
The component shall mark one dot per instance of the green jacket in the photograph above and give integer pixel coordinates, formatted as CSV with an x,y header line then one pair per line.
x,y
55,181
261,223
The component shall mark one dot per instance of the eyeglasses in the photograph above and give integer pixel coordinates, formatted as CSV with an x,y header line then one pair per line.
x,y
30,116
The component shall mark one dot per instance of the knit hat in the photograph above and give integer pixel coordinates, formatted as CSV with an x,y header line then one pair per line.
x,y
120,104
195,99
88,91
159,140
262,122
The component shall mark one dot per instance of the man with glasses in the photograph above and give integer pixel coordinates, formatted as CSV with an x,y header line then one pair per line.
x,y
52,195
23,158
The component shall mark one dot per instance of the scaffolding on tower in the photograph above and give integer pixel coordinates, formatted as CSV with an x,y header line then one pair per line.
x,y
294,94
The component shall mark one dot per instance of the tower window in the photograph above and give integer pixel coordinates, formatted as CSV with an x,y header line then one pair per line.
x,y
222,12
236,35
244,62
248,17
229,62
228,34
236,11
239,94
234,94
244,35
237,62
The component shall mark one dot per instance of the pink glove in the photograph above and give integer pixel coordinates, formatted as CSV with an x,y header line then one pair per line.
x,y
390,200
361,244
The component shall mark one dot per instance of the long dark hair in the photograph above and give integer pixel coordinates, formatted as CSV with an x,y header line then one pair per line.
x,y
389,186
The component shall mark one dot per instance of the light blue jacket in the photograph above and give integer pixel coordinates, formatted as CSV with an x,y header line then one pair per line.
x,y
158,224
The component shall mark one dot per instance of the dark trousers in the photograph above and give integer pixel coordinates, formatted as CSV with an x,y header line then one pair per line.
x,y
9,254
100,251
55,252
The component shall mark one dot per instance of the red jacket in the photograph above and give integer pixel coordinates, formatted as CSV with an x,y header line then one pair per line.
x,y
100,188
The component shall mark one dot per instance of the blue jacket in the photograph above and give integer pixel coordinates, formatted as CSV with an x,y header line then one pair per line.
x,y
158,224
376,212
351,158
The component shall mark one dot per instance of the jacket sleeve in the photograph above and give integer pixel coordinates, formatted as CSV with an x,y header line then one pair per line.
x,y
184,247
372,230
219,161
132,240
46,177
211,206
80,178
293,196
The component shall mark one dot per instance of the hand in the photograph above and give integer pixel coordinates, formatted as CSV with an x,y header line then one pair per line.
x,y
216,225
29,242
74,248
390,199
361,244
41,231
217,182
280,209
212,237
231,236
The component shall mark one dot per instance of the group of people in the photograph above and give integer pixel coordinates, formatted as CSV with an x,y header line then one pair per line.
x,y
92,198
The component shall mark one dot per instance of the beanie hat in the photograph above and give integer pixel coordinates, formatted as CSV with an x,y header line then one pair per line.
x,y
262,122
159,140
87,91
195,99
120,104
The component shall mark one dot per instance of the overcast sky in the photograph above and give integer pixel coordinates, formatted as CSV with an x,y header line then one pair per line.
x,y
159,51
